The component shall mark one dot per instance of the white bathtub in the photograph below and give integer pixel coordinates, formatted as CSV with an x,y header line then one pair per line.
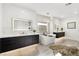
x,y
45,40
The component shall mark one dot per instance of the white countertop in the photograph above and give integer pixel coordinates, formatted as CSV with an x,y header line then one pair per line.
x,y
2,36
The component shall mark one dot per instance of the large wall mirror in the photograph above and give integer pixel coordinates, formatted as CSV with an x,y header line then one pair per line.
x,y
21,24
43,27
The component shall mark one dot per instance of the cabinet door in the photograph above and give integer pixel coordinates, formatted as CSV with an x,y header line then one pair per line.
x,y
36,39
0,44
12,43
15,42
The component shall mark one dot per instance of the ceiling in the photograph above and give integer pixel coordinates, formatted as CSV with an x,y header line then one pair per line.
x,y
54,9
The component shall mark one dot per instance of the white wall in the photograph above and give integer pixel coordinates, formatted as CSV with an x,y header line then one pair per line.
x,y
53,21
71,33
56,23
51,25
0,19
48,19
12,11
42,18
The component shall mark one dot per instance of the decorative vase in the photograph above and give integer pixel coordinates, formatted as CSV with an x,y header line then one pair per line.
x,y
62,29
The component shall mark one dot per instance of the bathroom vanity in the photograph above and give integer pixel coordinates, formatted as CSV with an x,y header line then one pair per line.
x,y
59,34
17,42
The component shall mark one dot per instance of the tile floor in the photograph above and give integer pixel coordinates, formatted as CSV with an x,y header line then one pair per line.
x,y
44,50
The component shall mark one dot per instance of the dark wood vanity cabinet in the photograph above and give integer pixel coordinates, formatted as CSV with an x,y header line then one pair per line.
x,y
0,45
59,34
11,43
